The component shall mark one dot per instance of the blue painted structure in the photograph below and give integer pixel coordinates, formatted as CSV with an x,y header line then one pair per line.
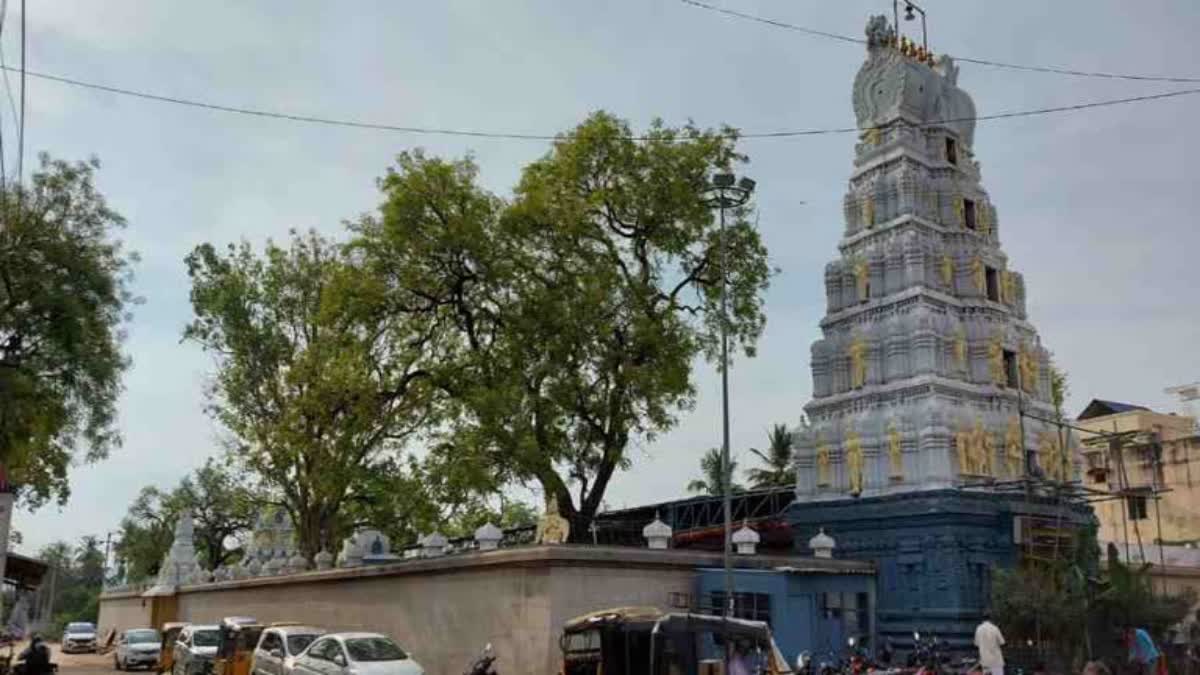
x,y
934,551
800,614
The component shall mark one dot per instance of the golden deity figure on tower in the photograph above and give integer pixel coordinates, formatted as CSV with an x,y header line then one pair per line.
x,y
960,347
979,275
858,362
1027,362
996,360
823,464
1014,454
947,270
895,451
862,278
854,462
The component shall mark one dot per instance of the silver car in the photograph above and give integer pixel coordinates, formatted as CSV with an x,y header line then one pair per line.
x,y
79,637
278,647
195,650
137,648
357,654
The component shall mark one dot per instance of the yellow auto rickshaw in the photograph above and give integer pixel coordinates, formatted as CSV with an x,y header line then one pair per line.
x,y
647,641
166,653
235,647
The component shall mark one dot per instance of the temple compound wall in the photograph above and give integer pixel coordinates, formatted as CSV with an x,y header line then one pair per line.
x,y
446,609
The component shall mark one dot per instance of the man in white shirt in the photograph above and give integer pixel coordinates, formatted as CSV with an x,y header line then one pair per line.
x,y
989,640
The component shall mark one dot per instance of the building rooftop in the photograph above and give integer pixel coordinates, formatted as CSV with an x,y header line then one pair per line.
x,y
1100,408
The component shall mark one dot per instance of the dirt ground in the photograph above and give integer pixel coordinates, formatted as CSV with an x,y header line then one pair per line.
x,y
69,664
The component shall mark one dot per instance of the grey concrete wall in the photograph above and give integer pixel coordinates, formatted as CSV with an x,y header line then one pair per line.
x,y
446,609
123,611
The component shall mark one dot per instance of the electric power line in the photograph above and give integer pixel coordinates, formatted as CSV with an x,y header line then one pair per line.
x,y
21,131
981,62
787,133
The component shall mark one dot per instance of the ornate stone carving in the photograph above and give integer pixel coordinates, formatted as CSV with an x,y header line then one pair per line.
x,y
960,212
947,270
1008,287
979,275
1027,362
824,468
858,362
854,462
1014,454
962,447
862,278
895,451
996,360
960,347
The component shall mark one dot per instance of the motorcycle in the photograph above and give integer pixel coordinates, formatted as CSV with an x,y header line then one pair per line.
x,y
484,664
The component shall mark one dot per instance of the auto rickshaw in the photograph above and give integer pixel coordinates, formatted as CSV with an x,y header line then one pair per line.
x,y
166,653
647,641
235,648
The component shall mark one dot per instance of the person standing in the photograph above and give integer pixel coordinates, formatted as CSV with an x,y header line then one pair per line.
x,y
1142,651
989,640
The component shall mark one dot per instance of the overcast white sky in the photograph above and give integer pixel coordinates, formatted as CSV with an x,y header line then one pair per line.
x,y
1098,208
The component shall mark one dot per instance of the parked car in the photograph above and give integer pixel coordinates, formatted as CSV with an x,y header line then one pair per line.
x,y
137,647
357,653
279,646
195,649
79,637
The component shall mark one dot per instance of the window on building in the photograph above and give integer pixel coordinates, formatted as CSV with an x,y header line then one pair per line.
x,y
951,150
969,213
753,606
1010,368
993,284
1136,506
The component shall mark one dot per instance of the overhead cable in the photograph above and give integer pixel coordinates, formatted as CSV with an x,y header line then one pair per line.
x,y
982,62
786,133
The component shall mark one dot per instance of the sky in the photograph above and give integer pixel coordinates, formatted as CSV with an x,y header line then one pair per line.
x,y
1097,208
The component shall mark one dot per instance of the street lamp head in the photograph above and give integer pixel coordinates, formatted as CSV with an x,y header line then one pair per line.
x,y
723,180
747,184
908,12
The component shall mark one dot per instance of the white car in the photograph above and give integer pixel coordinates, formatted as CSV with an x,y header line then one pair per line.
x,y
79,637
137,647
279,646
356,654
195,649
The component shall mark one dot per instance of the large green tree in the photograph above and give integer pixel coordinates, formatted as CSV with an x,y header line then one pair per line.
x,y
318,386
573,313
64,296
223,508
777,469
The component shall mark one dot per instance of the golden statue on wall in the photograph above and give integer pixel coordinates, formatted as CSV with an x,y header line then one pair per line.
x,y
823,464
1027,362
895,450
982,450
960,347
979,275
948,271
873,136
962,447
858,362
1008,287
552,528
1051,456
1014,455
960,211
996,361
869,211
983,218
854,462
862,278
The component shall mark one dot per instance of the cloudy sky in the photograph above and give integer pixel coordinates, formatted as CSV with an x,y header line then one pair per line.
x,y
1098,208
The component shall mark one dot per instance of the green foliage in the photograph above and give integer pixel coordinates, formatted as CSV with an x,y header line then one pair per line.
x,y
1130,598
713,482
318,386
568,318
78,576
64,294
777,459
222,507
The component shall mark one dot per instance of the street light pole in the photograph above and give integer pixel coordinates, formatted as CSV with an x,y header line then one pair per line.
x,y
726,191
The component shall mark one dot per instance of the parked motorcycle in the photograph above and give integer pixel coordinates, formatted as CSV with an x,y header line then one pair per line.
x,y
484,664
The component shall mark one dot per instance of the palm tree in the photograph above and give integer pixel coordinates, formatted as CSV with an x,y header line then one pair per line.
x,y
777,458
710,468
